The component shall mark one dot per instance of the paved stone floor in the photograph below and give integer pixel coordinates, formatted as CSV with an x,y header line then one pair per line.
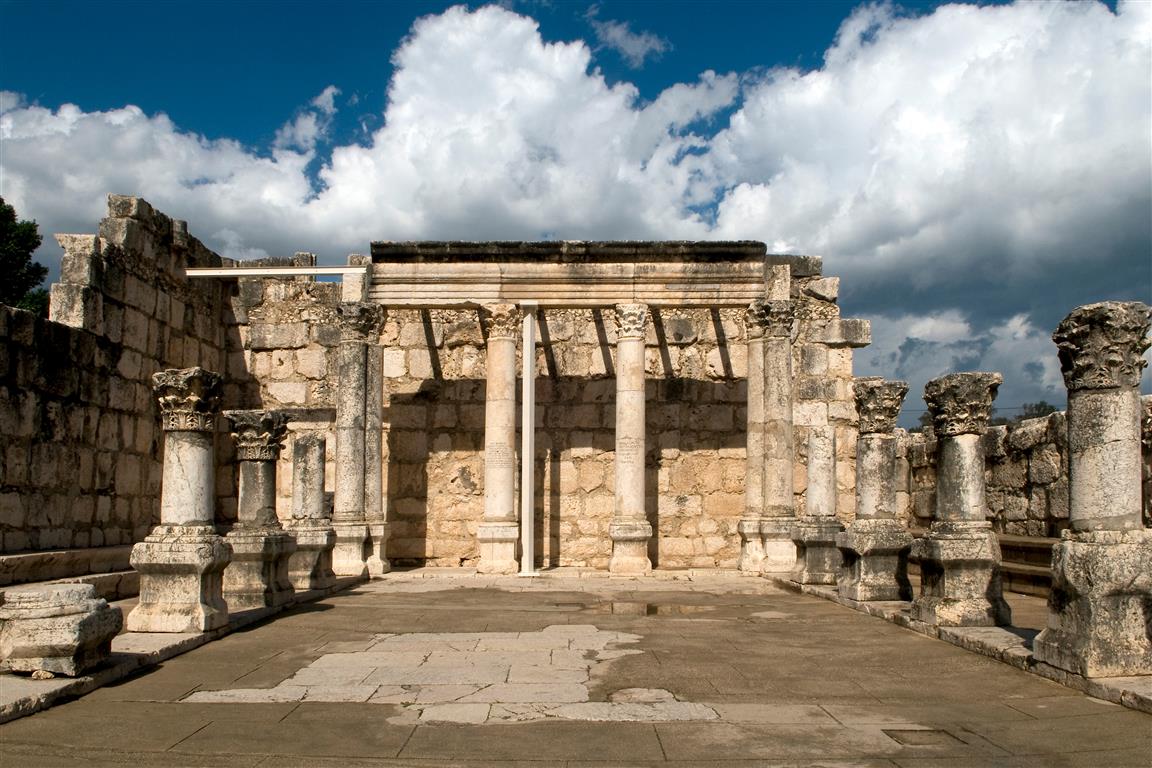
x,y
574,672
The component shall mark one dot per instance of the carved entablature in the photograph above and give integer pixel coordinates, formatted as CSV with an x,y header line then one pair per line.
x,y
878,403
631,320
189,398
961,403
259,435
1102,345
502,321
358,320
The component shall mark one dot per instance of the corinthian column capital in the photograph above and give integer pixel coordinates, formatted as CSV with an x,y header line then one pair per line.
x,y
878,403
961,403
189,398
358,320
1102,345
502,320
259,435
631,320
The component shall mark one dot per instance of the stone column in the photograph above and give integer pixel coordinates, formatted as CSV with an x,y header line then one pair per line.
x,y
1101,598
499,531
960,557
358,322
257,577
779,455
181,562
874,549
310,566
630,530
817,559
751,541
375,509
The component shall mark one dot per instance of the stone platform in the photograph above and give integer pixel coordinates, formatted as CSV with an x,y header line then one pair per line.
x,y
434,668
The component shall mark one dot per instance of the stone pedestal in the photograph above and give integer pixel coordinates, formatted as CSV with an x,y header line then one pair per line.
x,y
61,629
181,562
817,559
874,561
751,539
310,566
960,557
359,322
499,531
874,549
630,530
779,454
257,577
1100,604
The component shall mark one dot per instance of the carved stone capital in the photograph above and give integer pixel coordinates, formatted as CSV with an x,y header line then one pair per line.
x,y
358,320
961,403
502,321
1102,345
259,435
631,320
777,317
878,402
189,398
755,320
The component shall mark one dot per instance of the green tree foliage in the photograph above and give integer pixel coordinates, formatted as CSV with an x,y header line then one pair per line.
x,y
1036,410
20,277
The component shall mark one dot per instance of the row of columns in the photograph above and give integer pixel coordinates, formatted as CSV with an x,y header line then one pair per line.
x,y
1102,567
190,576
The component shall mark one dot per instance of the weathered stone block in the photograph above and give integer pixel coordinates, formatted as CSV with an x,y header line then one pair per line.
x,y
58,628
278,335
959,578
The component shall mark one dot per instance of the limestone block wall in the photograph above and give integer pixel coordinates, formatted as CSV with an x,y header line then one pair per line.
x,y
80,426
1026,475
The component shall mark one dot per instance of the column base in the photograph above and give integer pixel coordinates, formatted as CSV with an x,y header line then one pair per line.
x,y
874,557
348,556
257,577
181,580
310,566
751,547
630,547
959,577
378,564
1100,604
779,551
817,559
498,547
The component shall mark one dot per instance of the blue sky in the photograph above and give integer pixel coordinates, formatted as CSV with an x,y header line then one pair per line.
x,y
972,172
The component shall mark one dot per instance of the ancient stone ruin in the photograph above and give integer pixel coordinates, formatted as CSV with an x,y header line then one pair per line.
x,y
230,438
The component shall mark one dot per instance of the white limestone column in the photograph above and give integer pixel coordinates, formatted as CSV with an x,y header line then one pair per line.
x,y
751,540
257,577
630,530
875,546
310,566
182,560
358,322
1102,566
960,557
817,559
375,503
779,454
528,441
499,531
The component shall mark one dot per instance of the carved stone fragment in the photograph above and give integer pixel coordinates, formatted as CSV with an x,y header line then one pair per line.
x,y
61,629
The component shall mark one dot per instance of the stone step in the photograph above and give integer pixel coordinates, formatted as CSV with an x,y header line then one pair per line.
x,y
117,585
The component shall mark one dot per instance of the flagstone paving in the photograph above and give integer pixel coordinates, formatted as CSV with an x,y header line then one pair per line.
x,y
476,671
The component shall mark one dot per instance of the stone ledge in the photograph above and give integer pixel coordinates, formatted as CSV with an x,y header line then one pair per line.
x,y
132,651
999,643
57,564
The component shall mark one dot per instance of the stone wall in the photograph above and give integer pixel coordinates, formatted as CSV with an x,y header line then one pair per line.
x,y
1026,475
79,420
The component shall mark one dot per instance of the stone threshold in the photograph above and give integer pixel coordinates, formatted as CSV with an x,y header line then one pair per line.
x,y
132,652
1000,643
